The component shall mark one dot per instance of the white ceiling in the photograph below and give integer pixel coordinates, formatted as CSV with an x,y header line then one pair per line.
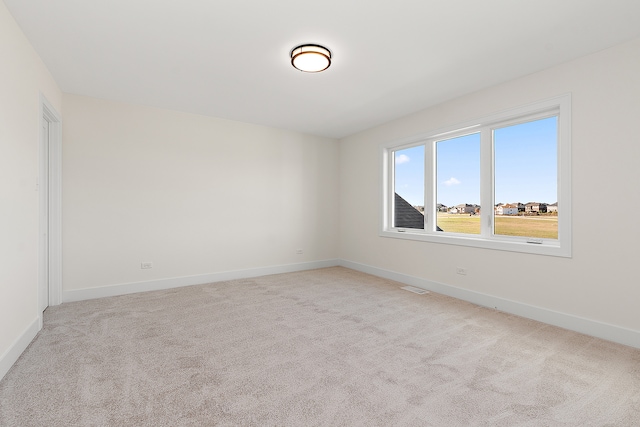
x,y
230,58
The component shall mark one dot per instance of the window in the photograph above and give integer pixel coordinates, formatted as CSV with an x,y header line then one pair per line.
x,y
525,168
501,182
409,188
458,184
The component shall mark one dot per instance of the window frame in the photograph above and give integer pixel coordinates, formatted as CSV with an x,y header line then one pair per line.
x,y
559,106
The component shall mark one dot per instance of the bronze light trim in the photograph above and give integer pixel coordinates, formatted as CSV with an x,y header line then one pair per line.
x,y
310,58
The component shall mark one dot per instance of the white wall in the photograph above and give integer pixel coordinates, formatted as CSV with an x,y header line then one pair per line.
x,y
23,77
194,195
600,281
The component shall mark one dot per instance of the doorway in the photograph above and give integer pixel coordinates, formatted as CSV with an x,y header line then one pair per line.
x,y
48,186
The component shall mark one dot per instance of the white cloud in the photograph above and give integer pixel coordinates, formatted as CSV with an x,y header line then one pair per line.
x,y
402,158
451,181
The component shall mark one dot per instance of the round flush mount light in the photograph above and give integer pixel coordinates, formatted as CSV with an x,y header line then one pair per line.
x,y
310,58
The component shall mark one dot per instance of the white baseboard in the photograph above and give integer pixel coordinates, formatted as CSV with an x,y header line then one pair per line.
x,y
175,282
567,321
21,343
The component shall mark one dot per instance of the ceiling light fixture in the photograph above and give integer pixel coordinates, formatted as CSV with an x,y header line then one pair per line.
x,y
310,58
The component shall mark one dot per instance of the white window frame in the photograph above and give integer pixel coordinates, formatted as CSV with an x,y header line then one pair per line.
x,y
560,107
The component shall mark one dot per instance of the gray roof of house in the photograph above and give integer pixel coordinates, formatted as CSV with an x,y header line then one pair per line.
x,y
406,216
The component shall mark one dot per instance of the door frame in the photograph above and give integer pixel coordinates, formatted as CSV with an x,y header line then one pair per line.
x,y
54,160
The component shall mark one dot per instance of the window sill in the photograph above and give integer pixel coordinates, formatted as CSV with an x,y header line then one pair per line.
x,y
515,244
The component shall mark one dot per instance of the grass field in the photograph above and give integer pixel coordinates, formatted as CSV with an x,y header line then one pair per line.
x,y
545,227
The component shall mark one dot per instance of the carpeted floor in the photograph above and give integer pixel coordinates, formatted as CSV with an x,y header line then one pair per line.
x,y
317,348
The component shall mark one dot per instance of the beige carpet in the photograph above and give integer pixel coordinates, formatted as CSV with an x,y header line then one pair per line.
x,y
318,348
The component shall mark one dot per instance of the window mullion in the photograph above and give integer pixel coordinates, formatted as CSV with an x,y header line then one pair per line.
x,y
430,210
486,183
390,179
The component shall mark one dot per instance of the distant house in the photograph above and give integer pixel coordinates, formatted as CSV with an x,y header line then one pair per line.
x,y
507,209
464,208
553,207
535,207
441,208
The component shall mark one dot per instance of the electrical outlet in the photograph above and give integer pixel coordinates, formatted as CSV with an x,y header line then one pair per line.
x,y
145,265
299,251
461,271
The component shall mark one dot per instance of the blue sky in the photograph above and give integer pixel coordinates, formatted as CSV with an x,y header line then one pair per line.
x,y
410,175
458,170
525,166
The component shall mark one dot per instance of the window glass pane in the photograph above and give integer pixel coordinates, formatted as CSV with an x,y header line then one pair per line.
x,y
526,179
458,184
408,205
